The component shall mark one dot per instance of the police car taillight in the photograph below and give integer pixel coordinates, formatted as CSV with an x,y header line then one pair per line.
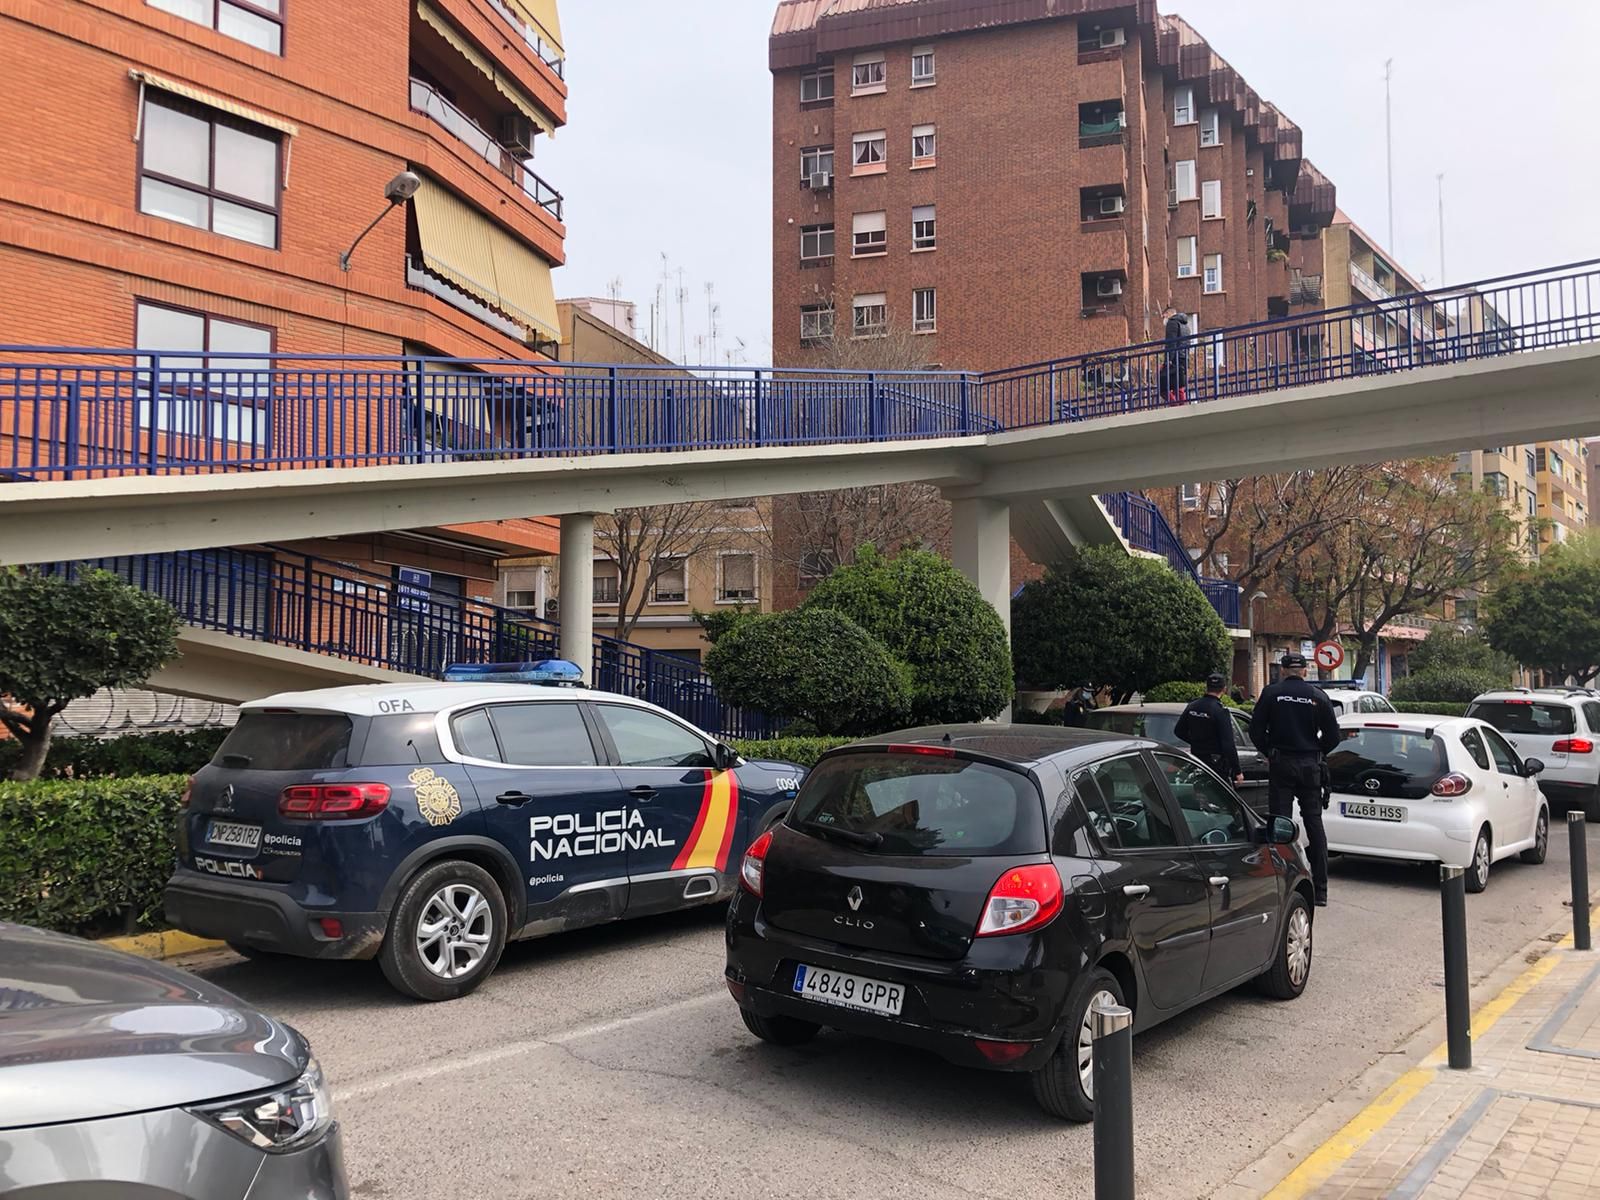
x,y
1023,898
188,792
333,801
752,871
1452,785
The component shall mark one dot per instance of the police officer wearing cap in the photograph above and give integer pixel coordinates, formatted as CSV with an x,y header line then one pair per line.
x,y
1207,727
1294,725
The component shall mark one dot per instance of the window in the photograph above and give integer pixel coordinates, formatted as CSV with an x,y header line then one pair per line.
x,y
1192,495
1505,758
289,741
1213,280
474,736
522,599
605,583
1533,505
1183,178
869,151
1188,248
923,228
203,169
923,146
200,396
816,323
1125,805
871,315
1211,199
1210,127
1183,105
257,22
869,233
818,160
922,66
542,735
1210,812
869,74
671,585
646,739
924,311
816,87
1532,468
1555,464
738,577
1526,718
1474,745
1591,714
816,241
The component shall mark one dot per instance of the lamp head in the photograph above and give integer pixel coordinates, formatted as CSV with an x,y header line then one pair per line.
x,y
402,187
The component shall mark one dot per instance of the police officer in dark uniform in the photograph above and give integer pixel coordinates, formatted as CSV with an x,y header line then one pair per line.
x,y
1207,727
1294,725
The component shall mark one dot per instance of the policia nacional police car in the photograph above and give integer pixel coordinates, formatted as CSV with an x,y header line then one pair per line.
x,y
427,824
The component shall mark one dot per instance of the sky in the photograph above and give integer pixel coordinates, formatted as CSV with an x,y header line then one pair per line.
x,y
668,147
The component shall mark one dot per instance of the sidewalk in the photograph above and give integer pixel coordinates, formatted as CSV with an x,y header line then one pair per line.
x,y
1523,1122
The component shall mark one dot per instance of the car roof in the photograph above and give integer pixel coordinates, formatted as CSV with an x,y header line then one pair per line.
x,y
1541,695
1410,722
374,699
1020,745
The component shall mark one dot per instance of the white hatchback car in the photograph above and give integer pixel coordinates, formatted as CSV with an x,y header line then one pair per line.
x,y
1434,789
1350,699
1559,726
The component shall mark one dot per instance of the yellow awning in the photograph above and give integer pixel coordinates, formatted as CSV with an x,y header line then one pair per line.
x,y
462,245
542,15
484,65
212,100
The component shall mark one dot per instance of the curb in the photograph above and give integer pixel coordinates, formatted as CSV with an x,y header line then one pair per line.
x,y
163,944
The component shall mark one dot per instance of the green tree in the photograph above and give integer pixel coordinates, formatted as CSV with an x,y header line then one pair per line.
x,y
715,624
1549,617
933,619
1447,649
813,665
1116,622
63,638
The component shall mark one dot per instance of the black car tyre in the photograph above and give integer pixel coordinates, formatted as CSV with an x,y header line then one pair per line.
x,y
1591,806
1535,853
446,932
1064,1086
1290,971
780,1031
1478,870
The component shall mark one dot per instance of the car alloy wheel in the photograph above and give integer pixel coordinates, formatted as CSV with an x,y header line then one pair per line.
x,y
1541,836
1297,947
454,930
1086,1041
1480,862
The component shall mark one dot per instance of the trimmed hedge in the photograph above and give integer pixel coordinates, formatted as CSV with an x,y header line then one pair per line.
x,y
168,752
1181,691
87,855
802,750
1432,708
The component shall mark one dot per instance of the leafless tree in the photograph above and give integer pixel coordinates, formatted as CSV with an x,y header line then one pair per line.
x,y
644,543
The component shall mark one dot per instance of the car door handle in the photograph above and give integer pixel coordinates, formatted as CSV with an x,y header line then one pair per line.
x,y
1219,881
643,792
512,798
1136,889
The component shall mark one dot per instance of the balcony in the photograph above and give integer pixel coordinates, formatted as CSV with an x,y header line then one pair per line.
x,y
427,101
1101,124
1367,285
420,280
547,53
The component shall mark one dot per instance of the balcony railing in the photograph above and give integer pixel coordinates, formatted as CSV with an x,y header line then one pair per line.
x,y
422,281
1145,527
546,53
428,102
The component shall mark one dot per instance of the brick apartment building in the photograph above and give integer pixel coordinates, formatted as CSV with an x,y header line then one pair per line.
x,y
183,176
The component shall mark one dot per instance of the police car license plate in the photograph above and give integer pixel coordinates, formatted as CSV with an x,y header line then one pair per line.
x,y
849,991
1371,812
234,835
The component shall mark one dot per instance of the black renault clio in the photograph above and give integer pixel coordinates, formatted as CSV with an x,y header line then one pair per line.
x,y
974,890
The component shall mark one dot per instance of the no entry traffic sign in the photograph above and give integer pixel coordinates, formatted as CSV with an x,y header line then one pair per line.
x,y
1329,655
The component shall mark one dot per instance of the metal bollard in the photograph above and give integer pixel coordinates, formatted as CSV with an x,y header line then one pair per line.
x,y
1112,1026
1578,843
1457,998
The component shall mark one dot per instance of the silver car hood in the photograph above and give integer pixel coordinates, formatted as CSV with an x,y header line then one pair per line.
x,y
88,1032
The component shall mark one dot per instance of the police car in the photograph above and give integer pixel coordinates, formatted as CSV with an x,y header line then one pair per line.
x,y
427,824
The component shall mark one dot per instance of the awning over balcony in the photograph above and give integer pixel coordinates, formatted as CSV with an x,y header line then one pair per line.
x,y
472,252
543,15
478,59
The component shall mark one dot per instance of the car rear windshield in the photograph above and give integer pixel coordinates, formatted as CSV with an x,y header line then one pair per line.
x,y
917,804
1398,754
1526,717
271,741
1156,726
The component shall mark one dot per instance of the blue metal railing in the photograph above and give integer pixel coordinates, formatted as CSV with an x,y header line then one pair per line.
x,y
290,599
90,413
1145,527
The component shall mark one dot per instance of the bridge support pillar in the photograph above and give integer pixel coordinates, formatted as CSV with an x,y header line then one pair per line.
x,y
980,540
576,602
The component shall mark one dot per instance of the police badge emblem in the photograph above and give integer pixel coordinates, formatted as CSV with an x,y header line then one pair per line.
x,y
437,799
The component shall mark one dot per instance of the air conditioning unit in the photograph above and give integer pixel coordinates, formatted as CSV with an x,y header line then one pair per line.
x,y
517,133
1108,286
1172,197
1110,206
1113,37
820,181
1122,119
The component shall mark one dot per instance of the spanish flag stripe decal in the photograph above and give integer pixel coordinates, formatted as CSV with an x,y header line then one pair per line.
x,y
712,836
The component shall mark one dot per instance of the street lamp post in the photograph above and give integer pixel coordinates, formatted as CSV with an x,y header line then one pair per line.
x,y
397,191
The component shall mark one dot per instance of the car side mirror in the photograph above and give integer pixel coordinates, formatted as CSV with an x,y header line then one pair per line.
x,y
1532,766
726,757
1280,831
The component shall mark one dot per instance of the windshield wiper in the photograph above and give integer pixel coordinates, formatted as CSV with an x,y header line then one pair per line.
x,y
867,840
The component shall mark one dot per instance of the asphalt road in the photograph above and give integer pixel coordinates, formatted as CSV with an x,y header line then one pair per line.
x,y
612,1063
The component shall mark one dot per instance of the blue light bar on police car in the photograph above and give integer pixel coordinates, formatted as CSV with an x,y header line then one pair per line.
x,y
551,672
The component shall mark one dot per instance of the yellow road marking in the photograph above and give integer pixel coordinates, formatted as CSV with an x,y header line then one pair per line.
x,y
1319,1166
167,943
